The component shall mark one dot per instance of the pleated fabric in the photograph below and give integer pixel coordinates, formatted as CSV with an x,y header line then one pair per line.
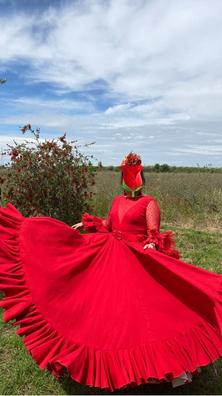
x,y
102,307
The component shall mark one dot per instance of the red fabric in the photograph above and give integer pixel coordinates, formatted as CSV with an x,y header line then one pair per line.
x,y
153,216
93,223
132,175
164,242
101,306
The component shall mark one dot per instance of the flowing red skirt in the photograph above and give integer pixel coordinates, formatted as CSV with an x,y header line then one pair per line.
x,y
103,308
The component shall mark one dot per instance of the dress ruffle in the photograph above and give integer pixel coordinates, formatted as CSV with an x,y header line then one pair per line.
x,y
109,369
164,242
93,223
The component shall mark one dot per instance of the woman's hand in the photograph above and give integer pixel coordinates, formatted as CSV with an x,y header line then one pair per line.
x,y
149,245
77,225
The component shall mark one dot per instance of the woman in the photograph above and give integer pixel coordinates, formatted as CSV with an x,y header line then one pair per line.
x,y
115,306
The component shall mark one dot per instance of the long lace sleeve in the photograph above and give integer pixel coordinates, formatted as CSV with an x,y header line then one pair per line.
x,y
153,216
164,241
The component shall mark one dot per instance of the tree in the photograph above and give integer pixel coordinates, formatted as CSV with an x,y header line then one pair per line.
x,y
156,168
164,168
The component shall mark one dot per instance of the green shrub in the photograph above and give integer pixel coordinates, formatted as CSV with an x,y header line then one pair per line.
x,y
48,178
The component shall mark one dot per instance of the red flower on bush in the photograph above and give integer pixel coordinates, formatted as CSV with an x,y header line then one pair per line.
x,y
51,178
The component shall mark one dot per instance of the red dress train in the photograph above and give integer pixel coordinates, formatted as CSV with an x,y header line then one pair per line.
x,y
101,306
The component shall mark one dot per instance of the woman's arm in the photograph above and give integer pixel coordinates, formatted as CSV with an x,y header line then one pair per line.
x,y
77,225
153,223
163,242
93,223
96,224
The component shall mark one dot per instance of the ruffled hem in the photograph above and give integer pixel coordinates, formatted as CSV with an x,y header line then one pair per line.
x,y
164,242
93,223
166,359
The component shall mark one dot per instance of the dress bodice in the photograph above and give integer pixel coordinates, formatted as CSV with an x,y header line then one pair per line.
x,y
134,215
139,216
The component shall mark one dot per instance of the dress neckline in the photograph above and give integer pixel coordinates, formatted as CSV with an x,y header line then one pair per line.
x,y
127,203
133,199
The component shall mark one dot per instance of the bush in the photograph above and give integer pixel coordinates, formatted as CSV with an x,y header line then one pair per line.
x,y
48,178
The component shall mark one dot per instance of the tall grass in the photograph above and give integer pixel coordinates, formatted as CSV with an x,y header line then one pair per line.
x,y
186,199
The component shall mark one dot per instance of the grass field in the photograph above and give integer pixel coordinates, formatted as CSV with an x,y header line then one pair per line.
x,y
187,199
192,207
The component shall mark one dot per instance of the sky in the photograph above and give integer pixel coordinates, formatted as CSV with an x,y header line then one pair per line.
x,y
143,76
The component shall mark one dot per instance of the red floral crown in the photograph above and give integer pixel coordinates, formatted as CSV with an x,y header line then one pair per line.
x,y
131,159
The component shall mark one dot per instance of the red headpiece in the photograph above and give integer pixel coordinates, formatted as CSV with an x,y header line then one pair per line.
x,y
131,168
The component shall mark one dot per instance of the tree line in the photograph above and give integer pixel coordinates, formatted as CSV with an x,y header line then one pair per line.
x,y
167,168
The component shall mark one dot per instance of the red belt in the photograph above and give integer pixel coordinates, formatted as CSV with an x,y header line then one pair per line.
x,y
134,237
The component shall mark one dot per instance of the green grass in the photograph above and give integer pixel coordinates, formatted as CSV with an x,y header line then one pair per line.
x,y
20,375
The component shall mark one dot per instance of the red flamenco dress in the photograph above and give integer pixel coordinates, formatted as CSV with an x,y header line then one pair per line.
x,y
101,306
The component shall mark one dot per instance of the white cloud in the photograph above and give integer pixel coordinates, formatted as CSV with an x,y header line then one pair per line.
x,y
202,149
139,49
62,104
118,108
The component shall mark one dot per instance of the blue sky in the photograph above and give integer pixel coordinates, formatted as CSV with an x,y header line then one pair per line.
x,y
129,75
